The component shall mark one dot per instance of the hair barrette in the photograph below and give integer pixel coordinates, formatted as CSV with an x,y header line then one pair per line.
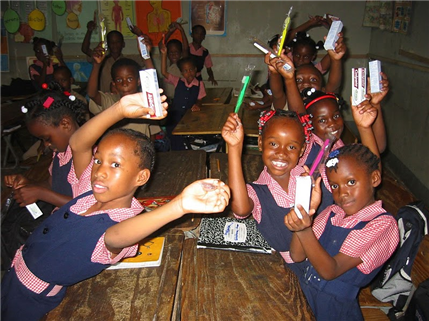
x,y
45,85
265,116
48,102
24,109
71,97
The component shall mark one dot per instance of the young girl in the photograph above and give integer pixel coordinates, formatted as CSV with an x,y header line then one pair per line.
x,y
41,71
348,243
189,91
99,227
53,117
281,141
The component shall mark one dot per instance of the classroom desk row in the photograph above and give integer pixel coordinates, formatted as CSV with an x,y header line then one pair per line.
x,y
191,283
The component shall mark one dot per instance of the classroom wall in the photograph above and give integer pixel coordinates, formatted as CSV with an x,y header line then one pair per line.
x,y
406,111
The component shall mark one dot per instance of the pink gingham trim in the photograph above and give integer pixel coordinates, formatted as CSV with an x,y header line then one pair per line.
x,y
63,158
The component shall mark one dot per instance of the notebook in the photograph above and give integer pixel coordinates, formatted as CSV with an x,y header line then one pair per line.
x,y
149,254
226,233
150,203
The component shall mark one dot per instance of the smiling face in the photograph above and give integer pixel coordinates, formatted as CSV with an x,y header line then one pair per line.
x,y
56,138
327,120
281,143
173,52
352,185
116,173
308,76
303,55
126,81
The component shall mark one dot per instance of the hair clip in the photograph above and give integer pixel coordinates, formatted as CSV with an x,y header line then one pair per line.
x,y
306,123
332,162
45,85
48,102
265,116
326,96
334,153
24,109
71,97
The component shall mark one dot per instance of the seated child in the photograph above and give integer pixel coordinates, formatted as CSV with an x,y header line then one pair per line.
x,y
42,69
187,95
99,227
126,80
346,245
282,142
201,54
63,76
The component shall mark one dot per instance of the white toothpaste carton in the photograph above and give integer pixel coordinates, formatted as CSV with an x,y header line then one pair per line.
x,y
332,37
44,50
34,210
302,194
143,50
129,23
150,90
374,76
358,85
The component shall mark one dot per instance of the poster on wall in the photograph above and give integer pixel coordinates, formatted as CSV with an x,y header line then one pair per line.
x,y
154,18
4,48
71,26
211,15
115,14
24,8
401,16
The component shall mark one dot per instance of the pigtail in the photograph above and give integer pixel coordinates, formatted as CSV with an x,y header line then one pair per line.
x,y
358,151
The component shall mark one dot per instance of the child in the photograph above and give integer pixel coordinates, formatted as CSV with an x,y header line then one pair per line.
x,y
348,243
126,80
281,141
187,95
175,51
41,71
201,54
63,76
101,226
52,117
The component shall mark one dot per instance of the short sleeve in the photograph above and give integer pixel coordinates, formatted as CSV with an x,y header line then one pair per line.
x,y
202,92
102,255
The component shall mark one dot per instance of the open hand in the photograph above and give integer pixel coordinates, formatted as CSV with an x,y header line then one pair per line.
x,y
232,131
364,114
132,106
376,98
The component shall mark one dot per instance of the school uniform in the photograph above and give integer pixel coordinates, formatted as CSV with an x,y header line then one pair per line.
x,y
36,68
202,58
372,235
65,249
185,96
60,170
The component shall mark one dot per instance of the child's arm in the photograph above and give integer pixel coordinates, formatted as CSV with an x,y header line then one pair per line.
x,y
311,23
185,43
276,83
148,62
90,26
336,72
163,50
375,100
304,243
211,76
92,88
204,196
83,140
59,54
233,134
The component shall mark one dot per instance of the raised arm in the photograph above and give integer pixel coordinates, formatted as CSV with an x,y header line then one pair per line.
x,y
163,50
83,140
86,43
98,56
313,21
336,71
233,134
146,40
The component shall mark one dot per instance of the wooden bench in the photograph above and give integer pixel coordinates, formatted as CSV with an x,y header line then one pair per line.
x,y
392,192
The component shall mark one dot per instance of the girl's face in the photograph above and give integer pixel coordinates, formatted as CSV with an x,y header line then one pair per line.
x,y
55,138
63,79
352,186
189,71
173,53
281,143
302,55
115,44
116,174
327,119
308,77
126,81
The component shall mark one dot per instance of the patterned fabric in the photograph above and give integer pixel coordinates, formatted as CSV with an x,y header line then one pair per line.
x,y
200,52
172,79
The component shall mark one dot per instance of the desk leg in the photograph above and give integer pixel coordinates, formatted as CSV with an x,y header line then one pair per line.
x,y
9,147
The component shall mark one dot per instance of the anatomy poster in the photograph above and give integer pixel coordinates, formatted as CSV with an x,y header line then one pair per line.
x,y
211,15
116,13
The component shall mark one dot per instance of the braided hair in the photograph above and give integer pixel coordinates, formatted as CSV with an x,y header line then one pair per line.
x,y
143,149
359,152
52,104
267,116
304,39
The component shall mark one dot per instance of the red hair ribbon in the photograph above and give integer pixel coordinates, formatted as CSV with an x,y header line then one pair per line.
x,y
306,122
48,102
327,96
265,116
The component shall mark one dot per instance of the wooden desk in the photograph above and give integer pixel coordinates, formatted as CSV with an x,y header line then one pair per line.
x,y
227,285
217,96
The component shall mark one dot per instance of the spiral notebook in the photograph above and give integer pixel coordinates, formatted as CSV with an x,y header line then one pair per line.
x,y
226,233
149,254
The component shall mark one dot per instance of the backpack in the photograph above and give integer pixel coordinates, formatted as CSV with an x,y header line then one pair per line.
x,y
393,283
17,224
419,308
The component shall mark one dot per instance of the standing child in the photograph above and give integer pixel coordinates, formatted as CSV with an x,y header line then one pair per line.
x,y
42,69
348,243
187,95
101,226
281,141
201,54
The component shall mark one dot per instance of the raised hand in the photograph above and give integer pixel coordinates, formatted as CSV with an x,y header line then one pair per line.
x,y
364,114
98,54
340,48
132,106
376,98
232,131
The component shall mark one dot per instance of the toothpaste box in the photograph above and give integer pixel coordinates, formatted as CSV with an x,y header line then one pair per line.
x,y
374,76
150,90
358,85
332,37
143,49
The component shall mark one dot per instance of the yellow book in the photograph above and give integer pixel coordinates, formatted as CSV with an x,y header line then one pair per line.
x,y
149,254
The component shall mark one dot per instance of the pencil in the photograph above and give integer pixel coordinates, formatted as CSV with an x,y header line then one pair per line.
x,y
218,165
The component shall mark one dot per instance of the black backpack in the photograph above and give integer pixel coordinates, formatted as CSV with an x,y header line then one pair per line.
x,y
393,283
17,224
419,307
